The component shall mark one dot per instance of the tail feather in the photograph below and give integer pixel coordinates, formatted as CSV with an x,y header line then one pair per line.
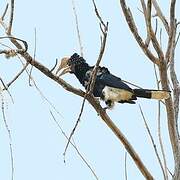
x,y
152,94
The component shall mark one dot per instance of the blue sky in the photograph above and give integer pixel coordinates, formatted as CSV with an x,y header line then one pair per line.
x,y
38,144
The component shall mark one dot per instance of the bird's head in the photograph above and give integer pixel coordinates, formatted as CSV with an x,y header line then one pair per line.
x,y
68,64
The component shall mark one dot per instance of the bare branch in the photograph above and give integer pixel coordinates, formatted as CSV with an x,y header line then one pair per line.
x,y
151,32
94,72
160,15
160,140
97,14
54,65
77,28
133,28
176,88
17,76
34,56
132,84
19,50
172,31
10,138
5,11
177,39
159,128
73,130
148,38
93,75
125,166
11,18
152,141
6,88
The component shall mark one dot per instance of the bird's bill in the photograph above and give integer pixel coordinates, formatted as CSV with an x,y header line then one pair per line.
x,y
64,67
65,70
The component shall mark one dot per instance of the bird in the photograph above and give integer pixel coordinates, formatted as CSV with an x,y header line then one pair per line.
x,y
108,87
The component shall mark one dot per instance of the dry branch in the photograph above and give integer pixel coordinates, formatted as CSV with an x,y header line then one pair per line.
x,y
92,79
133,28
161,15
154,40
10,137
9,29
96,106
77,28
153,142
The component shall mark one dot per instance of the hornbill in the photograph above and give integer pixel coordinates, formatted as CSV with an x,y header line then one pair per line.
x,y
108,87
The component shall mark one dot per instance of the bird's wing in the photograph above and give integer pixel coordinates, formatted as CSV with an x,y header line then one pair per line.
x,y
113,81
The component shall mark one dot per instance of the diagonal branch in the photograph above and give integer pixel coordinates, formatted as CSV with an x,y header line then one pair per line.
x,y
153,143
98,109
133,28
92,79
5,11
155,42
104,31
17,76
11,18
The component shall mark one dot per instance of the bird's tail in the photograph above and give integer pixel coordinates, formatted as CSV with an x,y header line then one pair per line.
x,y
152,94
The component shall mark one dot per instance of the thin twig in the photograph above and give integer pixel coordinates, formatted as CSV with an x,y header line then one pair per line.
x,y
73,130
10,138
97,14
19,50
92,79
160,140
148,38
156,27
159,128
52,69
11,18
34,55
160,37
154,40
74,146
160,15
77,28
104,31
17,76
152,141
132,84
6,88
101,53
5,11
177,39
170,173
172,32
125,166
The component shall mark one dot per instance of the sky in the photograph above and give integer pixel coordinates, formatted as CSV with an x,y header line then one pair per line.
x,y
37,142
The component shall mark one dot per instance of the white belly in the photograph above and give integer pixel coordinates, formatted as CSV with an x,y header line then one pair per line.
x,y
115,94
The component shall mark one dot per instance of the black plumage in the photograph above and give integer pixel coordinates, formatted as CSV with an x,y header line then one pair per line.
x,y
107,86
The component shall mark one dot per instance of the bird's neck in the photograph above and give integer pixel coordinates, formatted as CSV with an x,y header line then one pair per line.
x,y
80,72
